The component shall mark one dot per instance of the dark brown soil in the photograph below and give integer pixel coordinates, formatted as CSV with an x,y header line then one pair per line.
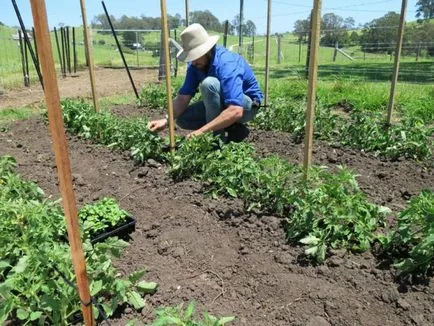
x,y
231,262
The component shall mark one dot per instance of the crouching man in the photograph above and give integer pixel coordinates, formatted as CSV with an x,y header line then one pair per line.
x,y
229,89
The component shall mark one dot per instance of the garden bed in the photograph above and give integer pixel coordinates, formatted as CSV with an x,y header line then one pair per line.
x,y
231,262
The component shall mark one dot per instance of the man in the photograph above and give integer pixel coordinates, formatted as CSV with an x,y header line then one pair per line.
x,y
229,89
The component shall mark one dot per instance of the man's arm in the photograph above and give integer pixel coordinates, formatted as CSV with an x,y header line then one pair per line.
x,y
180,104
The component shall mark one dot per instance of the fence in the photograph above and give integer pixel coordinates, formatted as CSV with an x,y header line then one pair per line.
x,y
141,49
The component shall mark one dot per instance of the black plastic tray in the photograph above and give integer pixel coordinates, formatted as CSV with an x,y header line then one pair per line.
x,y
120,231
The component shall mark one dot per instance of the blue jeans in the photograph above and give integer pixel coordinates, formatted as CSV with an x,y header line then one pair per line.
x,y
199,114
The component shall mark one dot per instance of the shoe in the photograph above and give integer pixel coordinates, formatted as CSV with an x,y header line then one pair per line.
x,y
237,132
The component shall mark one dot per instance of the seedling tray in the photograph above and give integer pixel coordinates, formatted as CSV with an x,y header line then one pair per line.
x,y
121,231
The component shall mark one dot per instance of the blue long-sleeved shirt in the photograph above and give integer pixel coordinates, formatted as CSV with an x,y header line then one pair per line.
x,y
234,73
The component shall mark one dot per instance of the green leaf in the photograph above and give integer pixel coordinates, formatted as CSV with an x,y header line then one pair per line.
x,y
22,314
134,277
21,265
189,311
310,239
135,300
311,251
224,320
231,192
147,287
4,264
96,287
35,315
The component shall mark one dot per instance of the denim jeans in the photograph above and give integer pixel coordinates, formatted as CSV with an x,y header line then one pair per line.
x,y
202,112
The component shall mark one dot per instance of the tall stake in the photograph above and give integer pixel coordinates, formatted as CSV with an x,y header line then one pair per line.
x,y
60,149
267,53
120,50
225,34
309,42
58,49
68,49
62,40
396,65
187,13
27,41
74,50
23,62
311,92
89,55
167,70
240,31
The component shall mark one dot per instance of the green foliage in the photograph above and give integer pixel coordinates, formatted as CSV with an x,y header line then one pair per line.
x,y
408,138
101,215
104,128
154,95
177,316
32,255
329,211
413,239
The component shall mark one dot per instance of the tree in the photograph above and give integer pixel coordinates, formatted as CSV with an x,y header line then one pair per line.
x,y
101,21
425,9
335,29
1,24
250,28
380,34
207,20
301,28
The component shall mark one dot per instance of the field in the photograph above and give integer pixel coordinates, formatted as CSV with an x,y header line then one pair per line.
x,y
365,66
232,228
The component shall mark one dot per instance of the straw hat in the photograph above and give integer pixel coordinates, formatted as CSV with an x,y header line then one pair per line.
x,y
195,42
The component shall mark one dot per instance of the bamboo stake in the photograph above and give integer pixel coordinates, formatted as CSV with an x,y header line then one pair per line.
x,y
311,92
89,55
165,40
267,53
52,99
396,64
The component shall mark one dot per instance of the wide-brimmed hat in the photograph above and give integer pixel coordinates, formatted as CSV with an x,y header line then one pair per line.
x,y
195,42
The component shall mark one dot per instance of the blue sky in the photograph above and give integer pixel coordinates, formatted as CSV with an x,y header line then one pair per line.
x,y
284,12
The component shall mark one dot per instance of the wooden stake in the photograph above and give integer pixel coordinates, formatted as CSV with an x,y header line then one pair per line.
x,y
309,41
225,34
165,40
397,58
311,92
60,148
267,53
89,55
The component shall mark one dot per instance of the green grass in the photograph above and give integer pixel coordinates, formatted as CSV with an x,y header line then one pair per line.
x,y
15,114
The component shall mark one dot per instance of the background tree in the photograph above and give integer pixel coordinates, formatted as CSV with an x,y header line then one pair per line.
x,y
425,9
335,29
301,28
380,34
207,20
130,39
250,28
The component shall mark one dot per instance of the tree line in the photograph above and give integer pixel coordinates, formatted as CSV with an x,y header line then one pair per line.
x,y
377,36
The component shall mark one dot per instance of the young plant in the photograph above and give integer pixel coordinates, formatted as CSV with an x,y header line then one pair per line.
x,y
413,238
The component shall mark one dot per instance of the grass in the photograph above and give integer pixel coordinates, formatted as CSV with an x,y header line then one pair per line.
x,y
16,114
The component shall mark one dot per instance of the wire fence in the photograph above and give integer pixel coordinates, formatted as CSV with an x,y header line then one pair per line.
x,y
141,49
361,61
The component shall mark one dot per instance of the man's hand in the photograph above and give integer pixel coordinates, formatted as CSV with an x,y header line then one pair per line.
x,y
194,133
157,125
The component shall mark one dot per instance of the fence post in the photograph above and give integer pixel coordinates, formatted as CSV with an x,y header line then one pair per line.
x,y
267,53
336,51
299,50
225,35
240,36
279,37
418,52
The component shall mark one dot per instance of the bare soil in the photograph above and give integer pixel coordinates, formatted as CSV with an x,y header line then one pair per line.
x,y
108,82
229,261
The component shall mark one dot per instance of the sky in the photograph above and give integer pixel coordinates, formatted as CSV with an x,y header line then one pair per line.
x,y
284,12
